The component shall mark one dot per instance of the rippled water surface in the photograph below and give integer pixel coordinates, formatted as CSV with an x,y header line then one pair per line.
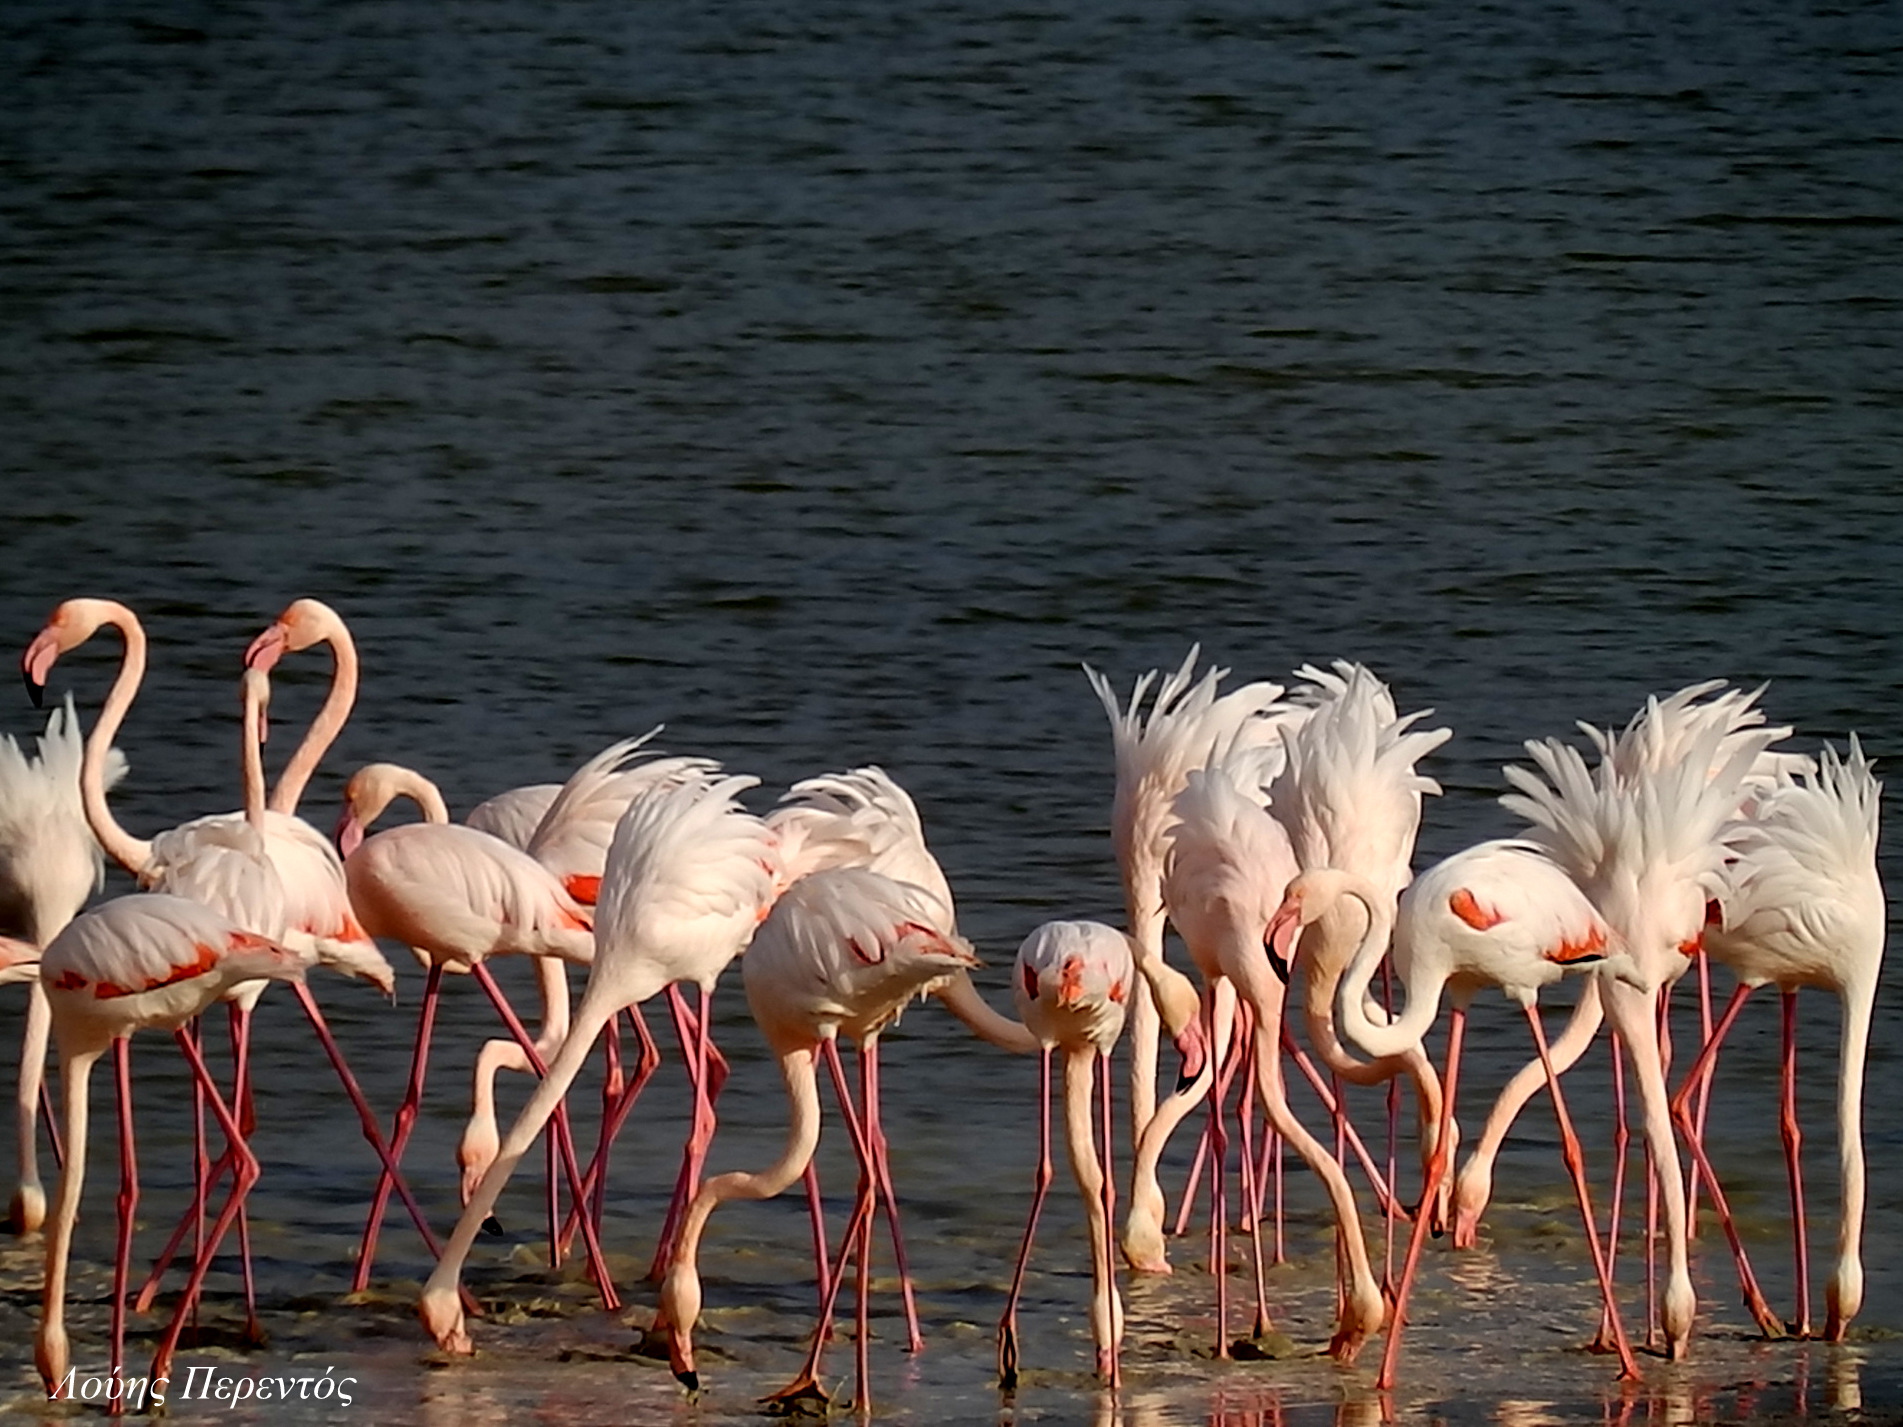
x,y
828,381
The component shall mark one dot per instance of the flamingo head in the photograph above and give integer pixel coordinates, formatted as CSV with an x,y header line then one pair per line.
x,y
1295,913
304,622
72,624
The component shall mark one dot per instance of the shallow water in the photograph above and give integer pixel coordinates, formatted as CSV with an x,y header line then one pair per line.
x,y
828,382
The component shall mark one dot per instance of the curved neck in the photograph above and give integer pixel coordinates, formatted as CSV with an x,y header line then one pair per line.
x,y
121,846
1423,991
325,727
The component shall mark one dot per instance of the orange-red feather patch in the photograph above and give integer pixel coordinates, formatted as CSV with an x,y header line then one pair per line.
x,y
1463,905
207,960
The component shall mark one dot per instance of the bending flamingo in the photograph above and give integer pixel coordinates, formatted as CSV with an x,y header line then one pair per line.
x,y
1073,982
688,877
1500,914
843,951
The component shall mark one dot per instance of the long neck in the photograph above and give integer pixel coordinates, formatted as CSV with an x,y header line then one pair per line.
x,y
1422,983
121,846
253,752
325,727
961,998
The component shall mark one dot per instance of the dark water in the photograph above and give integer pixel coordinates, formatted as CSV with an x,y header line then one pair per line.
x,y
828,381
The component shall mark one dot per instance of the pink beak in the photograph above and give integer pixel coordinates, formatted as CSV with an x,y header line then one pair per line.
x,y
349,834
37,663
267,649
1284,927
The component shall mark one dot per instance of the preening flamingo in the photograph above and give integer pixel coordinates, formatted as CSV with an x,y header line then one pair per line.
x,y
843,951
1646,849
50,864
1229,863
149,960
1350,799
1499,914
455,896
1072,986
1155,750
688,877
1802,905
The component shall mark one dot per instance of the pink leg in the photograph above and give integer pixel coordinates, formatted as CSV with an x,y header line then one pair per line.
x,y
817,1212
564,1141
1576,1166
1218,1168
707,1083
128,1207
1107,1264
400,1131
1682,1116
882,1168
245,1174
1251,1190
240,1023
1621,1143
1704,1089
1793,1153
1040,1185
52,1126
596,1177
1188,1201
1437,1171
1329,1104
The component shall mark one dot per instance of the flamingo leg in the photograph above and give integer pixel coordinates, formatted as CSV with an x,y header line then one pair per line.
x,y
32,1100
240,1026
1329,1105
1040,1186
1704,1087
1218,1206
1437,1171
400,1130
565,1144
687,1030
882,1167
816,1211
1107,1298
244,1176
1188,1199
1576,1166
594,1180
128,1208
1621,1144
1251,1188
367,1120
1683,1115
1793,1154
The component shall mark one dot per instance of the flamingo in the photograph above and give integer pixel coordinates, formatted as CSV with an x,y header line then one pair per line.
x,y
689,875
1228,865
1155,750
1350,798
147,960
1499,914
843,951
1640,834
1659,736
304,623
1073,982
1802,905
49,864
455,896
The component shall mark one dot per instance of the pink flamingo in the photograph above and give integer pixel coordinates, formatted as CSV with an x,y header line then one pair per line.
x,y
455,896
1156,749
1803,906
1073,982
150,960
1500,914
49,864
843,951
688,877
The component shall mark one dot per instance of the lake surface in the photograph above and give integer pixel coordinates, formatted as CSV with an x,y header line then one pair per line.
x,y
829,381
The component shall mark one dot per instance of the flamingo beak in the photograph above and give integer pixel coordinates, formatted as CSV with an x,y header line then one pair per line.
x,y
267,649
19,961
1279,939
1193,1046
349,835
37,663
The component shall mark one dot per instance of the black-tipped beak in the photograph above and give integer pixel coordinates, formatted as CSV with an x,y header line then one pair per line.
x,y
35,690
492,1226
688,1379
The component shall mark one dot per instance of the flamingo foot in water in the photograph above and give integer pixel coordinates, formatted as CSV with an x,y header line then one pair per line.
x,y
803,1395
442,1318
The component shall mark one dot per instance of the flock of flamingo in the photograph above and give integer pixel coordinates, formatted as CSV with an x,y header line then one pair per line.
x,y
1274,830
